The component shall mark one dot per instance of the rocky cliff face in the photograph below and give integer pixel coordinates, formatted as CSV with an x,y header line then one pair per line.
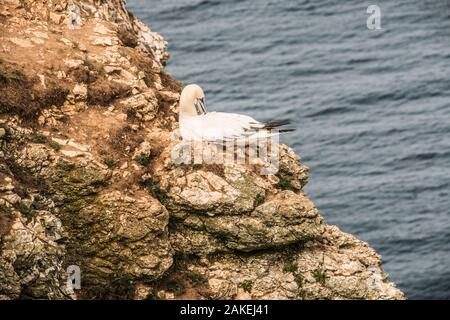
x,y
87,122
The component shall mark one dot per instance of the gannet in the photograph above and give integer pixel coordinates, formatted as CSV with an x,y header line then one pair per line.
x,y
198,124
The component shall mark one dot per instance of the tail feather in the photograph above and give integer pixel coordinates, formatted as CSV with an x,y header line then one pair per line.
x,y
275,123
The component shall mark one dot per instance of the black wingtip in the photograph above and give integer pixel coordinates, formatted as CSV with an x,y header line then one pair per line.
x,y
285,130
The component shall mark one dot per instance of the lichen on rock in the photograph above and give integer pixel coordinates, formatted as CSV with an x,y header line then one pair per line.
x,y
350,271
285,219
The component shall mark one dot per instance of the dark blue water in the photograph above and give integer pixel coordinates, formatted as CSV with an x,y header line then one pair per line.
x,y
372,108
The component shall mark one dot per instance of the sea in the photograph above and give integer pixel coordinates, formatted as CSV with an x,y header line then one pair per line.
x,y
367,87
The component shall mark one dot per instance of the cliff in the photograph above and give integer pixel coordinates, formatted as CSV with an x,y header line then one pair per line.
x,y
87,127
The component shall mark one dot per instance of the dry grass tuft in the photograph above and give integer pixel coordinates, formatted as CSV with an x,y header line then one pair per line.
x,y
103,92
24,95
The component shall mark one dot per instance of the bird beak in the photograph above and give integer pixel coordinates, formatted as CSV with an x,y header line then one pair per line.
x,y
200,106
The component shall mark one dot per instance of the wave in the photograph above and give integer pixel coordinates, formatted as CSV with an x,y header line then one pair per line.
x,y
330,111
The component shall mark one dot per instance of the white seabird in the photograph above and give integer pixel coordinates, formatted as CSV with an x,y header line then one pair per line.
x,y
198,124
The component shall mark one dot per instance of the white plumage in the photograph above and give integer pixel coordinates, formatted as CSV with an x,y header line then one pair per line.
x,y
197,124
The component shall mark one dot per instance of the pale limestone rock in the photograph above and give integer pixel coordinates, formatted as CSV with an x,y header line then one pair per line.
x,y
144,150
24,43
103,41
80,92
112,69
142,291
56,18
37,258
286,219
37,41
73,63
12,198
78,146
40,34
291,171
67,42
61,74
73,153
144,104
293,273
143,251
10,280
101,29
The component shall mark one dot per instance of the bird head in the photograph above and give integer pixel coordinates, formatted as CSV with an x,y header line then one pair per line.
x,y
192,101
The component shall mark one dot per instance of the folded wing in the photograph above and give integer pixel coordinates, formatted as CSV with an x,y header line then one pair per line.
x,y
219,126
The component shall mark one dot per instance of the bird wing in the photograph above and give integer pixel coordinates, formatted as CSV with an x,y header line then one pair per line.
x,y
219,126
228,126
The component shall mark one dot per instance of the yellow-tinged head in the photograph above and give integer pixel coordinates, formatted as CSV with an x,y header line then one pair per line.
x,y
192,101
